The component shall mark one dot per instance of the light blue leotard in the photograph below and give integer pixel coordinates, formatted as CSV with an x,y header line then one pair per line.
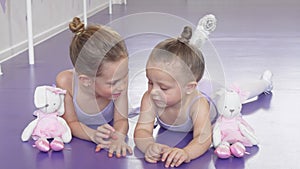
x,y
187,126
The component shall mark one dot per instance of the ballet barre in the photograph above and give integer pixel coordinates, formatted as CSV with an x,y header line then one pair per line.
x,y
30,29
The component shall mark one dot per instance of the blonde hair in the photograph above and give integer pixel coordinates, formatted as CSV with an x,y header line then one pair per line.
x,y
172,48
94,45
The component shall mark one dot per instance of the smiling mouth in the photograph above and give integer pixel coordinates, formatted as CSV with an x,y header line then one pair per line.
x,y
159,102
116,95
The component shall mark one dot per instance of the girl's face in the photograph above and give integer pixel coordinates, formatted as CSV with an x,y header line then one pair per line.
x,y
113,80
164,89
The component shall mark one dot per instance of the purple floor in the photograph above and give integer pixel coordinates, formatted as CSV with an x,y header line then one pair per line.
x,y
250,37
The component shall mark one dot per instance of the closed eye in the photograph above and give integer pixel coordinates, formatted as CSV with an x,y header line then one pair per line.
x,y
163,88
113,83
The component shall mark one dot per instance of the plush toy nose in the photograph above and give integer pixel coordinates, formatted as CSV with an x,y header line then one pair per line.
x,y
231,110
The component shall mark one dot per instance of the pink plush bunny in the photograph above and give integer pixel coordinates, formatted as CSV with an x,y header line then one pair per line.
x,y
231,132
48,125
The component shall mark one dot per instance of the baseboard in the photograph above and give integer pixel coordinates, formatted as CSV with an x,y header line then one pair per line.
x,y
118,1
43,36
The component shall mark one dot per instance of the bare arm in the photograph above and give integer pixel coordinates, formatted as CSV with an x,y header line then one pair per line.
x,y
121,114
202,133
120,128
64,80
143,133
201,137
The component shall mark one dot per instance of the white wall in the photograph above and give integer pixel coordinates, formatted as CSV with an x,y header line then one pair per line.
x,y
49,18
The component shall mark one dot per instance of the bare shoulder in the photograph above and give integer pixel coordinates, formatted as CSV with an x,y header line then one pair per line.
x,y
147,114
64,80
146,100
200,108
147,107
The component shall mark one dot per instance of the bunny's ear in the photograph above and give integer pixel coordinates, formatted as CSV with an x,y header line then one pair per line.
x,y
220,92
220,96
40,96
61,109
244,95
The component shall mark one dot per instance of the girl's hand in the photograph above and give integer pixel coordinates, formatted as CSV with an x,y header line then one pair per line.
x,y
154,152
103,135
117,146
175,157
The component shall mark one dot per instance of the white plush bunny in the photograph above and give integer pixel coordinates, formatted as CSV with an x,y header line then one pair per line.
x,y
48,125
231,133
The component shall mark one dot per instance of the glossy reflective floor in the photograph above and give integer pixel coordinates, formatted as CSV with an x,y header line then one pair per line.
x,y
250,37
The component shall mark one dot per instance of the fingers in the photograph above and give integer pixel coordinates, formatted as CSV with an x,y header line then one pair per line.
x,y
109,127
119,150
150,159
163,148
99,147
179,161
174,158
169,159
111,151
165,155
106,137
153,153
169,162
106,129
103,133
125,149
100,140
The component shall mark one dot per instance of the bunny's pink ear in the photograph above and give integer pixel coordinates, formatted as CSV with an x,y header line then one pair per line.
x,y
56,90
244,95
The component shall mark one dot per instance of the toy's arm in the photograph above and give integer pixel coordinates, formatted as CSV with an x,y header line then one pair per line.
x,y
26,134
248,134
67,136
216,135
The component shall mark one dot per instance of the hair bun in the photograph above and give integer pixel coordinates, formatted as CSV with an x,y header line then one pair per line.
x,y
76,26
186,35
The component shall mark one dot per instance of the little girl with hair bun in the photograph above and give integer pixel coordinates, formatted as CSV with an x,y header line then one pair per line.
x,y
174,69
97,87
